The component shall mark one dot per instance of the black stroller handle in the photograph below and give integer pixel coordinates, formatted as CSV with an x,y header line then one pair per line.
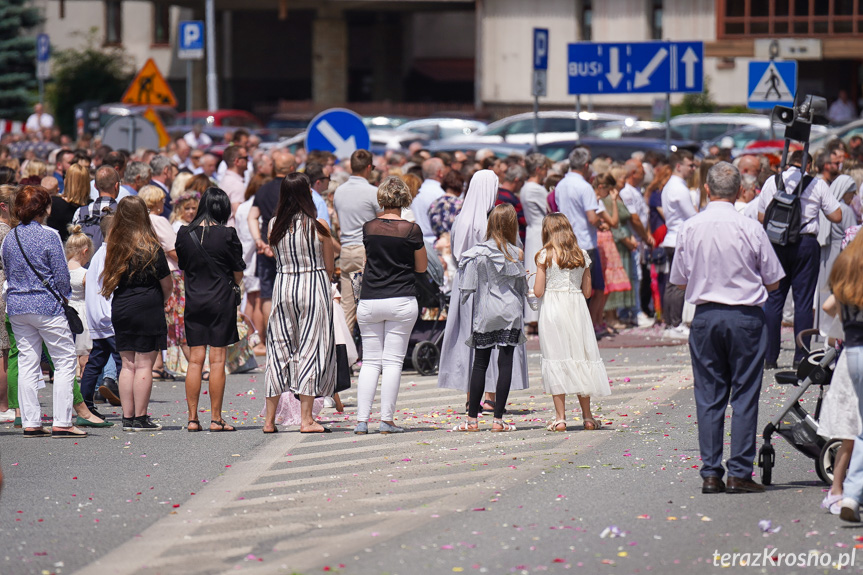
x,y
806,333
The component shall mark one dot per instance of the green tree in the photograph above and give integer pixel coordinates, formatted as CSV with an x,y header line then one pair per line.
x,y
696,103
17,58
89,73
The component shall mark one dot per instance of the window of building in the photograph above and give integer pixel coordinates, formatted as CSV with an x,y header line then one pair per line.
x,y
113,22
586,20
656,19
161,24
789,17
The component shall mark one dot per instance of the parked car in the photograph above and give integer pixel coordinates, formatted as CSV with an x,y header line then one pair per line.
x,y
844,133
619,150
384,122
740,139
705,127
109,111
632,129
440,128
287,125
499,150
218,122
518,129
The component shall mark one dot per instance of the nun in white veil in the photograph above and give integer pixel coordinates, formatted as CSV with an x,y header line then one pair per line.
x,y
456,358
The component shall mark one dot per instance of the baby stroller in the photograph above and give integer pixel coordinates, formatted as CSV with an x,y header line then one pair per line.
x,y
794,423
426,337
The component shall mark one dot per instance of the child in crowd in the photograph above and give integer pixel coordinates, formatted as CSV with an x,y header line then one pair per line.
x,y
79,250
493,271
570,355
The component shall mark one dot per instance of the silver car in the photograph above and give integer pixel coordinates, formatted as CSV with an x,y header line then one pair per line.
x,y
441,128
706,127
554,125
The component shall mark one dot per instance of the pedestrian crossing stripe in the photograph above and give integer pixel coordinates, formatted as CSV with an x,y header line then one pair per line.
x,y
771,87
149,88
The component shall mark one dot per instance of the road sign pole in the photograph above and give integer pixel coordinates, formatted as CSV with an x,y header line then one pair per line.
x,y
41,91
536,123
212,78
578,115
189,91
668,122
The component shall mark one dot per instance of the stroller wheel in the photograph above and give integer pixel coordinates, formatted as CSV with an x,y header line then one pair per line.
x,y
824,465
425,358
766,457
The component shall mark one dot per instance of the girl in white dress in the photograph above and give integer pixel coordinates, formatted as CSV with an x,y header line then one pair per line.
x,y
79,250
570,355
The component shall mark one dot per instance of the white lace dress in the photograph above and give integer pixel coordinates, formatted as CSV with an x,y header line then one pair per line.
x,y
83,343
570,356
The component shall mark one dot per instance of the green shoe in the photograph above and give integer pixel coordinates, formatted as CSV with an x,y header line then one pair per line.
x,y
17,423
81,422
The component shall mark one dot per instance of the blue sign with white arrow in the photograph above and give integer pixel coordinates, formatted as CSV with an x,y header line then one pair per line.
x,y
339,131
771,83
43,48
635,67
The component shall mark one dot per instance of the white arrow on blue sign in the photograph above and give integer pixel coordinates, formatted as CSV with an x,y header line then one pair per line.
x,y
644,67
339,131
43,48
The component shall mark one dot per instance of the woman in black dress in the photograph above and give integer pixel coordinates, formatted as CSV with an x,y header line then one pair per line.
x,y
211,257
136,273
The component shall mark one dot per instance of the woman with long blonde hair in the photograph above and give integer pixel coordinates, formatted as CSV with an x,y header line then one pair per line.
x,y
137,274
76,193
570,355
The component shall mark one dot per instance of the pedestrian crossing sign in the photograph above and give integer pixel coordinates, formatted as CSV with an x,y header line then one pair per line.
x,y
150,88
772,83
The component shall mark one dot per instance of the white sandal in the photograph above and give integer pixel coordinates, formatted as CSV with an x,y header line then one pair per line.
x,y
469,426
553,425
504,426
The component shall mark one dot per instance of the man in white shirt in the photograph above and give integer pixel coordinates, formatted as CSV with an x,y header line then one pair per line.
x,y
677,207
232,181
197,138
633,198
430,190
800,260
181,157
38,120
842,110
356,202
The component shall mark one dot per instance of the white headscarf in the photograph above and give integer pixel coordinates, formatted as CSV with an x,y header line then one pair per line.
x,y
469,227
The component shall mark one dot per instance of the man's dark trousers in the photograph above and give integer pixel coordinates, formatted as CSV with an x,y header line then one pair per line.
x,y
800,263
727,345
102,351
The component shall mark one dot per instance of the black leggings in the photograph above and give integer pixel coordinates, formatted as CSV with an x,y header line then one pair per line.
x,y
481,359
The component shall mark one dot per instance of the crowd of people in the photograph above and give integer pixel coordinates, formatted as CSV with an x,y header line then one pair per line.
x,y
182,263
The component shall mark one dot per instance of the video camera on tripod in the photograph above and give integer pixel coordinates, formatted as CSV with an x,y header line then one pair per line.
x,y
782,217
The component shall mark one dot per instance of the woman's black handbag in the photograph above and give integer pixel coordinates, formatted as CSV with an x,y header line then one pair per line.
x,y
76,326
238,294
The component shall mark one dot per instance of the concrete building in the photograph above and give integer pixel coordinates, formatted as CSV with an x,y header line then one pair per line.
x,y
310,54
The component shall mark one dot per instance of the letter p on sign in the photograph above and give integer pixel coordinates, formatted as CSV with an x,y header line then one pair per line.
x,y
540,49
191,35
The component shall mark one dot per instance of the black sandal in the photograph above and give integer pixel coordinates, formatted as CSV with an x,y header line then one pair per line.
x,y
162,375
189,426
221,423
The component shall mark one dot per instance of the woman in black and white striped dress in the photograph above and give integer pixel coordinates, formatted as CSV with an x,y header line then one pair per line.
x,y
301,350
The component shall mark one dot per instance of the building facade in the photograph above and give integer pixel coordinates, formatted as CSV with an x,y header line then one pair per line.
x,y
459,54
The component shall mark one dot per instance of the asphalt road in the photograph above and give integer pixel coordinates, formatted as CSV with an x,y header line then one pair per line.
x,y
624,499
